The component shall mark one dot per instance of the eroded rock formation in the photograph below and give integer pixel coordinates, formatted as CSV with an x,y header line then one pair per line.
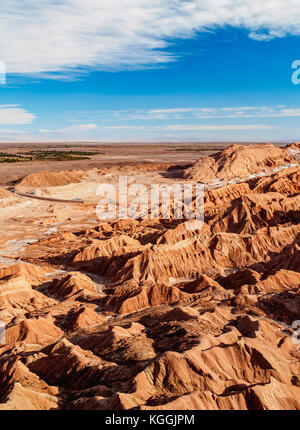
x,y
149,315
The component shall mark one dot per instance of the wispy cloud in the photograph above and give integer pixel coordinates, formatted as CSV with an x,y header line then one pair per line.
x,y
189,113
195,127
71,36
11,114
72,129
10,132
124,127
216,127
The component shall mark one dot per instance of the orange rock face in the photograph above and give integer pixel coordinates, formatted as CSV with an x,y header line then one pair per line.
x,y
150,315
49,179
4,193
240,161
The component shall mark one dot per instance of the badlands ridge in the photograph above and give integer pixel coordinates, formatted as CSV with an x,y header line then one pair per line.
x,y
147,314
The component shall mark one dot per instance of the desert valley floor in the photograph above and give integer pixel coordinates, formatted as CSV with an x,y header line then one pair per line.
x,y
147,313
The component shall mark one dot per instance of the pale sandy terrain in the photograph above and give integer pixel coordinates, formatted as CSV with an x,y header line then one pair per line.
x,y
114,154
21,216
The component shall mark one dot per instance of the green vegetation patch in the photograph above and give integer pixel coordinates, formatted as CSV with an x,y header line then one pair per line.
x,y
53,155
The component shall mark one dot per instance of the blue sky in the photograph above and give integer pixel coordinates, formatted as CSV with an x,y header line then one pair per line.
x,y
185,70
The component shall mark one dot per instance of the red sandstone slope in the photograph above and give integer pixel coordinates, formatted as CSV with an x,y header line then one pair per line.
x,y
4,193
239,161
160,317
49,179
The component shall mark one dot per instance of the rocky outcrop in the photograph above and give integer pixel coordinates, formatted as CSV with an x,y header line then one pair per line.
x,y
49,179
150,314
239,161
4,193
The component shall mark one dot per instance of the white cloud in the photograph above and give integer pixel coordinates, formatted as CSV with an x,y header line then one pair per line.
x,y
224,112
175,110
189,113
12,132
15,115
290,112
73,128
64,35
216,127
180,127
124,127
80,127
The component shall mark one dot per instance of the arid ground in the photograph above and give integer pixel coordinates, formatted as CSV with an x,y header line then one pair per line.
x,y
149,313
